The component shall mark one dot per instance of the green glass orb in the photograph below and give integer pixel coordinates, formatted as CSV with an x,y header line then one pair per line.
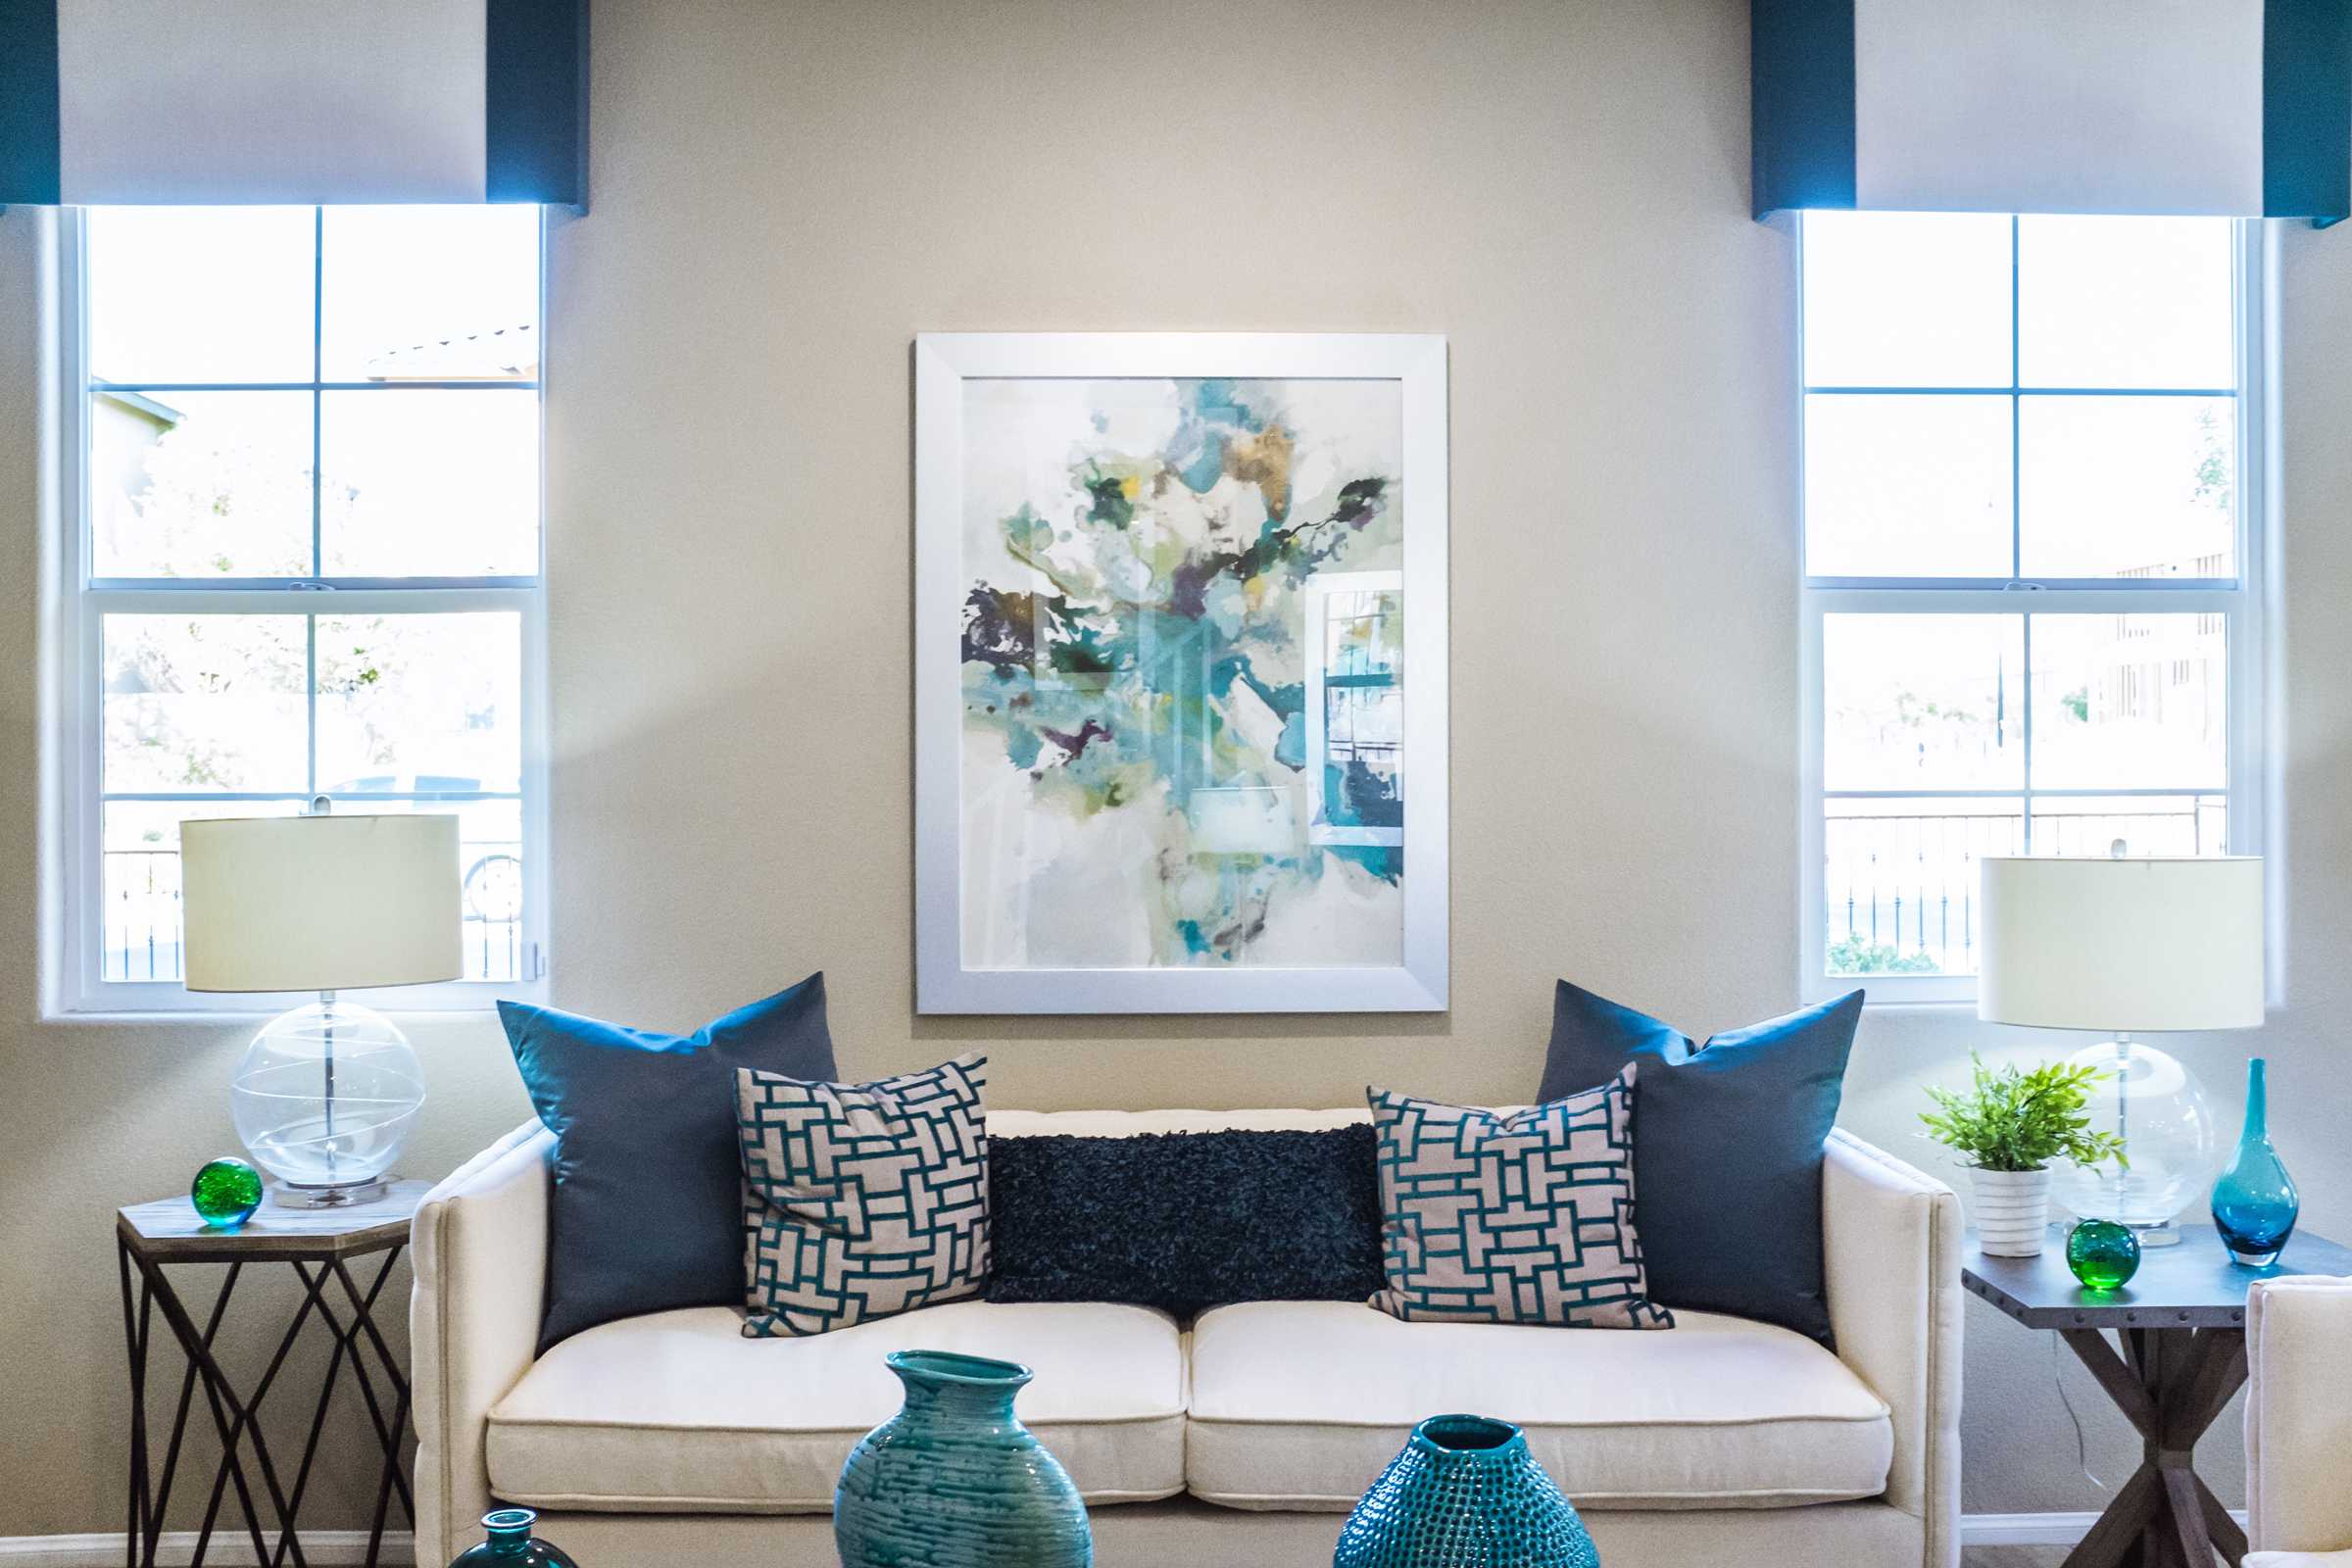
x,y
226,1193
2102,1253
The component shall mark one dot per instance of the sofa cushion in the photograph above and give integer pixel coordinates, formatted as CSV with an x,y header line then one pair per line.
x,y
1185,1221
678,1413
1727,1151
647,1207
1512,1216
1300,1404
862,1201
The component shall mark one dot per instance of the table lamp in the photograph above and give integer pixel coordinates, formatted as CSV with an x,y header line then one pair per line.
x,y
2129,946
326,1094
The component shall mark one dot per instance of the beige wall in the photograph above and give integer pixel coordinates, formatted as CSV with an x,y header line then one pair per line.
x,y
784,194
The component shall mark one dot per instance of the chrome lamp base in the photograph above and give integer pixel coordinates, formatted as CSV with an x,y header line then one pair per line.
x,y
288,1195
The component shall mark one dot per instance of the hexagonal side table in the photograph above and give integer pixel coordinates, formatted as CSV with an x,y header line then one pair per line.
x,y
320,1246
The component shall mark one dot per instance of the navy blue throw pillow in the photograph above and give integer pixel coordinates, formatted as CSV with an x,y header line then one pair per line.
x,y
647,1209
1186,1221
1727,1169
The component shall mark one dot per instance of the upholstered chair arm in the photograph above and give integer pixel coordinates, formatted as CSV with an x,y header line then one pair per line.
x,y
479,1256
1890,1238
2299,1414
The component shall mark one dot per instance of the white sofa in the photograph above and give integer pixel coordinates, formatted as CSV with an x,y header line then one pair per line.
x,y
1237,1438
2299,1423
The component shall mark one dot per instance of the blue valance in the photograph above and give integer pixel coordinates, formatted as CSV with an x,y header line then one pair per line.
x,y
293,101
2242,108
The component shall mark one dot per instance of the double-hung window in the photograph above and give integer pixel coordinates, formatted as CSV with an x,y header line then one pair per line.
x,y
2031,453
302,483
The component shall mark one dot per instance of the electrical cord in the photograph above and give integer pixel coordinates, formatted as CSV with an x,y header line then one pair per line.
x,y
2082,1442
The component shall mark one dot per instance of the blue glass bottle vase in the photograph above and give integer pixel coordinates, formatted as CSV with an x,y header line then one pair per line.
x,y
1465,1490
510,1544
954,1481
2254,1203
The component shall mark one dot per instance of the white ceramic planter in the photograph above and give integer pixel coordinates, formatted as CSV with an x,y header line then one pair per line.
x,y
2012,1211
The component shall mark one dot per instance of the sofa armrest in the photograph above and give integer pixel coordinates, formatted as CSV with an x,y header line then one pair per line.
x,y
479,1259
2299,1414
1891,1241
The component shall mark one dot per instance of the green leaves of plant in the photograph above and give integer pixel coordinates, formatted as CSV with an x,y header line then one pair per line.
x,y
2011,1119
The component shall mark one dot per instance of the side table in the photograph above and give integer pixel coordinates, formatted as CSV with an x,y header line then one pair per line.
x,y
320,1246
2179,1355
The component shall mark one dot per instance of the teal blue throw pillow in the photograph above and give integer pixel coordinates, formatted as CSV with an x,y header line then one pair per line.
x,y
647,1209
1727,1169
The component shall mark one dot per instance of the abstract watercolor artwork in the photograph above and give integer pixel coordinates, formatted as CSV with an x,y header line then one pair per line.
x,y
1180,589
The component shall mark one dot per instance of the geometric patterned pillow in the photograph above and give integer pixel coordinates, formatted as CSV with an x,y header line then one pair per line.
x,y
1519,1218
860,1200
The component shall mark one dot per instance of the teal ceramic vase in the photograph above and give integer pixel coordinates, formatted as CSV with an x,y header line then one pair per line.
x,y
954,1481
1464,1494
512,1544
2254,1203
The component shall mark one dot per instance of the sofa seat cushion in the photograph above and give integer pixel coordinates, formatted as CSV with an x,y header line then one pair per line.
x,y
1300,1404
678,1413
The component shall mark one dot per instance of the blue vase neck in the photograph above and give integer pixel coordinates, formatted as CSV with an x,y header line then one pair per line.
x,y
510,1530
967,1387
1470,1439
2257,1123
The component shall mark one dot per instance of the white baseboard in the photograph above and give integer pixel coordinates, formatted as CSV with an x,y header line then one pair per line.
x,y
2033,1529
328,1548
340,1548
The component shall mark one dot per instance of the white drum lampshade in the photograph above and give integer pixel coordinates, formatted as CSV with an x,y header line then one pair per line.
x,y
325,1095
2128,945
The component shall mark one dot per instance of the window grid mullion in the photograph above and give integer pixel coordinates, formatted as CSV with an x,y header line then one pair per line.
x,y
318,374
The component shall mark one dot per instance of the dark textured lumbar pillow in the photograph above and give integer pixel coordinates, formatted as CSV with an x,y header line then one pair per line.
x,y
1523,1216
1186,1221
1728,1166
647,1209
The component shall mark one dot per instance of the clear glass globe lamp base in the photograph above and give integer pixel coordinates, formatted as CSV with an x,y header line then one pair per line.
x,y
324,1098
2155,1104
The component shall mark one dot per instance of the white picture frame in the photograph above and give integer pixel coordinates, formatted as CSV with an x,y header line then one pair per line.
x,y
944,365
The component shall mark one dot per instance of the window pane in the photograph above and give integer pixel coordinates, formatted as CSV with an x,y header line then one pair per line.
x,y
1923,702
200,293
1900,881
2131,702
2148,824
205,702
138,919
424,483
2140,302
2128,487
1906,299
420,704
432,293
200,484
1915,486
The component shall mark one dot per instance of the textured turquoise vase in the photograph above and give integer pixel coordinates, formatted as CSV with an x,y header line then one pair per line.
x,y
226,1193
2254,1203
2103,1254
954,1481
512,1545
1464,1494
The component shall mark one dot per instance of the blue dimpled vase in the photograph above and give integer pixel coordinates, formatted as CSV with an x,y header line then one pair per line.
x,y
2254,1203
954,1481
1465,1494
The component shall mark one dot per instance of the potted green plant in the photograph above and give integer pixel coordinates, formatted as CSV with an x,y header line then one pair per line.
x,y
2009,1125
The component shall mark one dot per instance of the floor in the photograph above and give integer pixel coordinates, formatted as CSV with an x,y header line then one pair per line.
x,y
2012,1557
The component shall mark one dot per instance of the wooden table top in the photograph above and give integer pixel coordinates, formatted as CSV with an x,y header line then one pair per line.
x,y
2193,1284
168,1231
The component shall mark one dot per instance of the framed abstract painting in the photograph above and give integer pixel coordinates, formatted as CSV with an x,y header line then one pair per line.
x,y
1180,672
